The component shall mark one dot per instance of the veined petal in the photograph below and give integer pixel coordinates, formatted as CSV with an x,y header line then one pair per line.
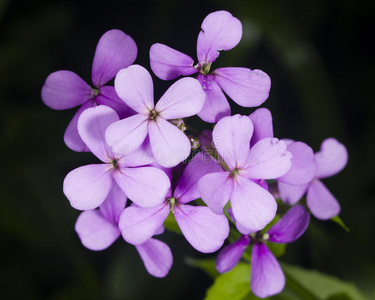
x,y
253,206
92,125
65,89
322,204
138,224
291,226
216,105
263,127
156,256
267,277
204,230
115,51
107,96
185,98
268,159
170,146
127,135
87,187
303,168
114,204
71,136
96,232
248,88
231,137
168,63
187,187
145,186
215,190
331,158
220,31
134,86
231,254
291,194
140,157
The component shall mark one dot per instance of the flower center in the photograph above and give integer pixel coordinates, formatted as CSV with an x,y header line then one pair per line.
x,y
114,164
172,202
94,93
153,114
258,237
234,172
205,68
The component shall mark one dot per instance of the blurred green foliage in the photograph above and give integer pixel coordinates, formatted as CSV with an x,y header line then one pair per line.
x,y
320,58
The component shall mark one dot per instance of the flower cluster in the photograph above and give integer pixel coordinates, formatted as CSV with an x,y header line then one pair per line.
x,y
150,155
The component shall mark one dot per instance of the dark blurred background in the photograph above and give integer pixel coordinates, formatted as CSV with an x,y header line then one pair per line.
x,y
319,55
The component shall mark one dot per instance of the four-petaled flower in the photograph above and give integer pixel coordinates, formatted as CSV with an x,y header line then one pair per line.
x,y
65,89
267,277
220,31
87,187
253,206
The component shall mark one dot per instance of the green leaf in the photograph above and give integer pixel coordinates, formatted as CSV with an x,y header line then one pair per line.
x,y
233,285
338,220
318,285
171,224
208,265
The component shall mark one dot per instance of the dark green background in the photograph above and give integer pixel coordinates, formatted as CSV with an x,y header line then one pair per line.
x,y
319,55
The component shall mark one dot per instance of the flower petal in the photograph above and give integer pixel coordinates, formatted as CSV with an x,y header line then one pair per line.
x,y
248,88
138,224
95,232
185,98
220,31
204,230
291,194
127,135
168,63
134,86
107,96
140,157
268,159
303,168
331,158
263,127
145,186
115,51
231,254
216,105
187,187
71,136
231,137
65,89
291,226
87,187
92,125
170,146
322,204
215,190
156,256
267,277
114,204
253,206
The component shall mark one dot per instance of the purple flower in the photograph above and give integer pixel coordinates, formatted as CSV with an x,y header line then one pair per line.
x,y
267,277
98,229
253,206
220,31
65,89
330,160
169,145
203,229
87,187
